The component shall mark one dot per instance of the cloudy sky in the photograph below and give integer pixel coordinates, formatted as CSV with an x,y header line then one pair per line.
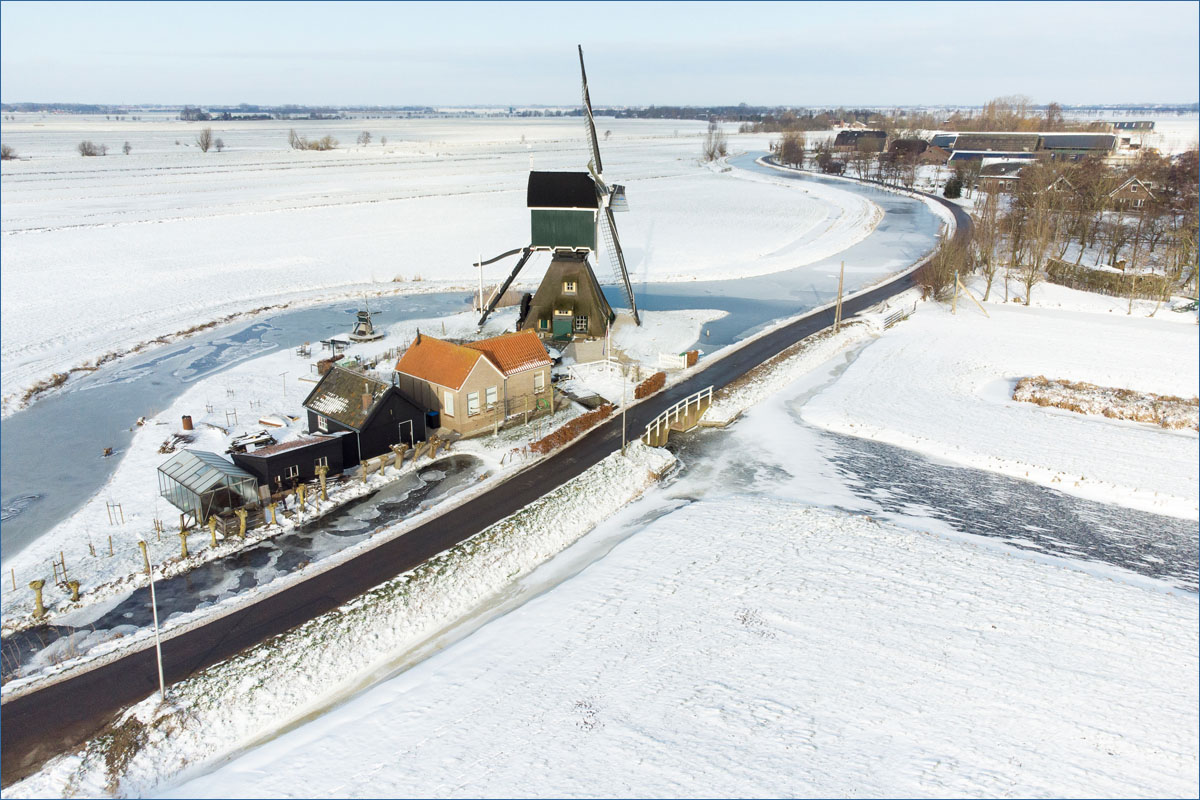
x,y
637,53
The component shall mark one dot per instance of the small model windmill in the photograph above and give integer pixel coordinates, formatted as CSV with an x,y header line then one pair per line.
x,y
364,329
569,212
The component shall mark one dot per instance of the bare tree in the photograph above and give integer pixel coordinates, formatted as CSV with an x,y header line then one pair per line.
x,y
986,238
1042,224
382,141
219,144
7,153
294,140
791,149
364,138
607,135
88,148
205,140
126,148
714,142
936,277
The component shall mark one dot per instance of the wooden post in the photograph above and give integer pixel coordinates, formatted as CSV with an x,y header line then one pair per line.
x,y
300,492
63,558
14,578
110,547
322,470
162,687
271,506
967,292
954,303
183,550
182,524
837,316
212,529
363,464
39,610
74,587
241,515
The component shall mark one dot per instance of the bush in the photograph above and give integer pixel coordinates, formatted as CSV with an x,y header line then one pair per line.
x,y
651,385
7,153
1148,286
88,148
298,142
953,189
571,430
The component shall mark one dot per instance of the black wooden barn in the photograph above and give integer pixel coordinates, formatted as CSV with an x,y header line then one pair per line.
x,y
373,413
282,466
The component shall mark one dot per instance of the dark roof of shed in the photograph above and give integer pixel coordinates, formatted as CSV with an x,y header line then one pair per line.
x,y
283,447
851,137
339,397
561,190
1078,141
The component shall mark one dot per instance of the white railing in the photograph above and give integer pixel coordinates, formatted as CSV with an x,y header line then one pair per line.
x,y
680,409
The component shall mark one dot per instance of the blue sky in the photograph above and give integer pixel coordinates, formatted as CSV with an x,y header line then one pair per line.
x,y
637,53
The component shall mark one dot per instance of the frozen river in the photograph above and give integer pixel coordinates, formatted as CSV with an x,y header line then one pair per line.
x,y
50,453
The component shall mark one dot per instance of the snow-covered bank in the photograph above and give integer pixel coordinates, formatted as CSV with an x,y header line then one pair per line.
x,y
145,245
942,384
748,646
293,675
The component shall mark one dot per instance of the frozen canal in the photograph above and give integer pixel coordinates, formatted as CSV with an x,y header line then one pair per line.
x,y
50,453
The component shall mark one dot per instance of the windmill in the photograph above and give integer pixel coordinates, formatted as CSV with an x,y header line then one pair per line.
x,y
569,213
364,328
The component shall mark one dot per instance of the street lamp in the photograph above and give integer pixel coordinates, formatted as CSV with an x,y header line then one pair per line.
x,y
162,688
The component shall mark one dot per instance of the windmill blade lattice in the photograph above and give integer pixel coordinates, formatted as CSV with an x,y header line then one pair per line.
x,y
616,259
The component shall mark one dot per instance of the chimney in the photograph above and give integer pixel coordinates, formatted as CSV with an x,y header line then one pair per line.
x,y
418,339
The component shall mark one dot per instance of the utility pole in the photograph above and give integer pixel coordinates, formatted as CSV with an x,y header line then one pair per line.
x,y
284,376
624,383
837,314
162,687
479,264
954,303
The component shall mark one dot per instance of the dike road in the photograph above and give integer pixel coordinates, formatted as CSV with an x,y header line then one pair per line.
x,y
43,723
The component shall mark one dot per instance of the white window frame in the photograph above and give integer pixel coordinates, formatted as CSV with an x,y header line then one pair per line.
x,y
292,471
448,403
323,461
472,404
580,323
570,287
539,381
491,397
322,423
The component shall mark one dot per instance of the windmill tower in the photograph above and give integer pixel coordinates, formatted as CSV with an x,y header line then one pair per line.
x,y
364,329
569,213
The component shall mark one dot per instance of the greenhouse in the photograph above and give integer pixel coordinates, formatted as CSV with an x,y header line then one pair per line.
x,y
203,484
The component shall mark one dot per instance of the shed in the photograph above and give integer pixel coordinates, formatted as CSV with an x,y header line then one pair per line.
x,y
284,465
203,484
373,412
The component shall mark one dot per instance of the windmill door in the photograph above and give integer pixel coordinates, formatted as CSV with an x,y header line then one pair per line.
x,y
562,327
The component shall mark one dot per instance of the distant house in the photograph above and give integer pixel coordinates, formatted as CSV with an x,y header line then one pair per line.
x,y
871,141
476,386
1133,193
372,414
282,466
1000,175
935,155
907,148
1062,186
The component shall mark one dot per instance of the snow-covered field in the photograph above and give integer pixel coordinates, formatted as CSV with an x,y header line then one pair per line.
x,y
735,642
143,245
949,382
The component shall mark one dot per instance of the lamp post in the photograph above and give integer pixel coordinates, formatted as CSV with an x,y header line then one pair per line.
x,y
624,383
162,688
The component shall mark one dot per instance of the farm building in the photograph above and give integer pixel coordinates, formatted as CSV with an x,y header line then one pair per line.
x,y
475,387
202,484
871,141
1132,194
282,466
374,414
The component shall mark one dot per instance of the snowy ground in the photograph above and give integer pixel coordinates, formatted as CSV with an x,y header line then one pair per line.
x,y
949,386
734,642
149,244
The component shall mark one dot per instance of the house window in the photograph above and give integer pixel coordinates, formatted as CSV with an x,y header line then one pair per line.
x,y
472,404
568,287
448,404
491,396
539,381
1138,203
323,461
543,324
1133,187
292,471
322,423
581,324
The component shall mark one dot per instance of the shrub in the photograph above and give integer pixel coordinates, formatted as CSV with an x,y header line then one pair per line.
x,y
7,153
88,148
571,430
651,385
953,189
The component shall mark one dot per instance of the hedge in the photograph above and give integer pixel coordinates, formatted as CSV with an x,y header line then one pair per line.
x,y
651,385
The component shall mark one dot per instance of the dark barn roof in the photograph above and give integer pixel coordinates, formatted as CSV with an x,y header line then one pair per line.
x,y
561,190
851,138
339,397
1078,141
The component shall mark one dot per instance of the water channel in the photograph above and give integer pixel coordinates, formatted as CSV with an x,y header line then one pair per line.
x,y
50,452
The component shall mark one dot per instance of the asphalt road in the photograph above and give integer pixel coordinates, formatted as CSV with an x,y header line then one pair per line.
x,y
49,721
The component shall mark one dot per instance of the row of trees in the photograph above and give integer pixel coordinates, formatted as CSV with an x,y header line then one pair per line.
x,y
298,142
1057,208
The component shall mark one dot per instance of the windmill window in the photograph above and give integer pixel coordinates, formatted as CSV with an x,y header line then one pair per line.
x,y
543,324
539,382
569,287
492,396
581,324
472,404
322,423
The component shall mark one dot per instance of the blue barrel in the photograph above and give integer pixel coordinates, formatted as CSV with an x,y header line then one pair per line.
x,y
433,420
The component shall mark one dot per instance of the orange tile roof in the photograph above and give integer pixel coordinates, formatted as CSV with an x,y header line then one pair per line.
x,y
513,352
444,363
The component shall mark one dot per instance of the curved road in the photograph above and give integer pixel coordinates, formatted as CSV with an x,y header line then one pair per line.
x,y
43,723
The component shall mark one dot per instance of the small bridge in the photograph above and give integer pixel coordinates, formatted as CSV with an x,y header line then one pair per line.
x,y
683,416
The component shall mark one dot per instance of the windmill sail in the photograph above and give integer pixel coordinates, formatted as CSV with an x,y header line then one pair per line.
x,y
616,259
597,166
